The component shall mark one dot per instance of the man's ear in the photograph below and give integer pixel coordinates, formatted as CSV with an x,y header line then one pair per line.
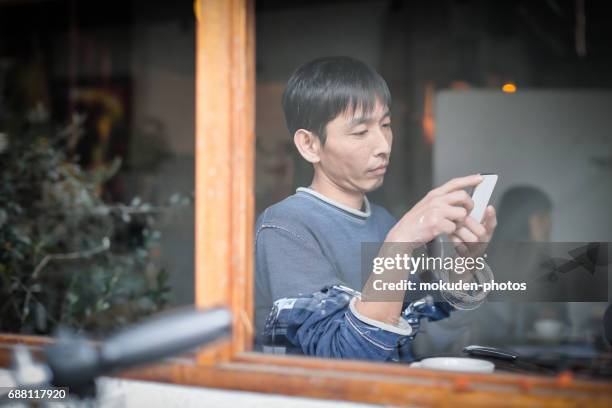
x,y
308,144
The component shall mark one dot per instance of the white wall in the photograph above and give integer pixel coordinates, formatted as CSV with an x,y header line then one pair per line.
x,y
560,141
557,140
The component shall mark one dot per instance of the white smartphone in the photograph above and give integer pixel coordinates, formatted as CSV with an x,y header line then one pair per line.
x,y
482,194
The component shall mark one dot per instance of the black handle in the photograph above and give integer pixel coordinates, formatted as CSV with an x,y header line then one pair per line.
x,y
164,336
75,362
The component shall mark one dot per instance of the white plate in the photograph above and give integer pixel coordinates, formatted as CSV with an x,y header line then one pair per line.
x,y
468,365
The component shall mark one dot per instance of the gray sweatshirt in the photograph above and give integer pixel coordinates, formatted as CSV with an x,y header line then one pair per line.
x,y
308,241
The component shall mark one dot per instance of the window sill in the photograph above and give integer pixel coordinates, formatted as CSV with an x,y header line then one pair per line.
x,y
356,381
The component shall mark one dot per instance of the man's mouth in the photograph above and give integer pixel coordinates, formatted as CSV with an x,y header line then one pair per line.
x,y
380,170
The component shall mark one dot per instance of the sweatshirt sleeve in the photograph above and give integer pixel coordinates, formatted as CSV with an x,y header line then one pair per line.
x,y
290,264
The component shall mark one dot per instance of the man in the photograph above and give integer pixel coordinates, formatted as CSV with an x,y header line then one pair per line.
x,y
308,246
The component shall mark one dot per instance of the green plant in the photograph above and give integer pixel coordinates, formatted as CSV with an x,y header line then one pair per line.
x,y
67,257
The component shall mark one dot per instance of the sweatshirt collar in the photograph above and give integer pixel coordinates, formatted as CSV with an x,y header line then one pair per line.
x,y
359,213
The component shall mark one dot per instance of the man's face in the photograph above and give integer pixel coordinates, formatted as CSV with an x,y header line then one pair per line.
x,y
357,148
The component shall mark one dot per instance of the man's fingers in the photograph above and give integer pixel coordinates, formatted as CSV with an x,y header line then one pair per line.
x,y
455,213
461,183
476,228
466,235
460,197
490,219
446,227
471,238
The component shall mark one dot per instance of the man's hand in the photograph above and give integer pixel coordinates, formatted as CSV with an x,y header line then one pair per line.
x,y
471,238
441,211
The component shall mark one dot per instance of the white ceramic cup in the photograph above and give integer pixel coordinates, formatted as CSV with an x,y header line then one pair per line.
x,y
468,365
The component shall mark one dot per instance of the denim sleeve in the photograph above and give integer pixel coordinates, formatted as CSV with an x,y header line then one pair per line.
x,y
323,324
425,308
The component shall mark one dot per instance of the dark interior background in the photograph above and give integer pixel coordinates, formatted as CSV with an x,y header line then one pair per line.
x,y
420,48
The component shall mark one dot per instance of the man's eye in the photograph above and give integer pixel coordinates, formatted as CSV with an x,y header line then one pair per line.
x,y
363,132
387,125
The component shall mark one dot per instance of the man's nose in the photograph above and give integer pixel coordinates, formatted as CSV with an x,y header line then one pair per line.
x,y
383,143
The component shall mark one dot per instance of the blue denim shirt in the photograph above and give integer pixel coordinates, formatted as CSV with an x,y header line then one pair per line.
x,y
323,324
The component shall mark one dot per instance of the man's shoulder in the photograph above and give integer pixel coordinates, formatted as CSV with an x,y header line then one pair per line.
x,y
288,213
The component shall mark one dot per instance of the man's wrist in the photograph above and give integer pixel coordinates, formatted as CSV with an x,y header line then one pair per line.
x,y
392,244
384,312
395,325
395,237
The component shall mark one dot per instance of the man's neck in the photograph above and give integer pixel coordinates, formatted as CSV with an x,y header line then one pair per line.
x,y
323,185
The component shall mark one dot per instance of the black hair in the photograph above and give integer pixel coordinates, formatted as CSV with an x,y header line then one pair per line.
x,y
322,89
516,206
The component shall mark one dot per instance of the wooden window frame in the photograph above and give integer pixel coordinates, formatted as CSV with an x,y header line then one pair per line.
x,y
225,154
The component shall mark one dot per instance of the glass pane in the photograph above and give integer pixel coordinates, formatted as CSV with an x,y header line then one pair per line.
x,y
97,153
515,89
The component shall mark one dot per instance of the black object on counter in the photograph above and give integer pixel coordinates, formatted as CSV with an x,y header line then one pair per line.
x,y
493,352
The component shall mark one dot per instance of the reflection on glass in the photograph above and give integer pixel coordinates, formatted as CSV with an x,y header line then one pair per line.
x,y
96,145
454,114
